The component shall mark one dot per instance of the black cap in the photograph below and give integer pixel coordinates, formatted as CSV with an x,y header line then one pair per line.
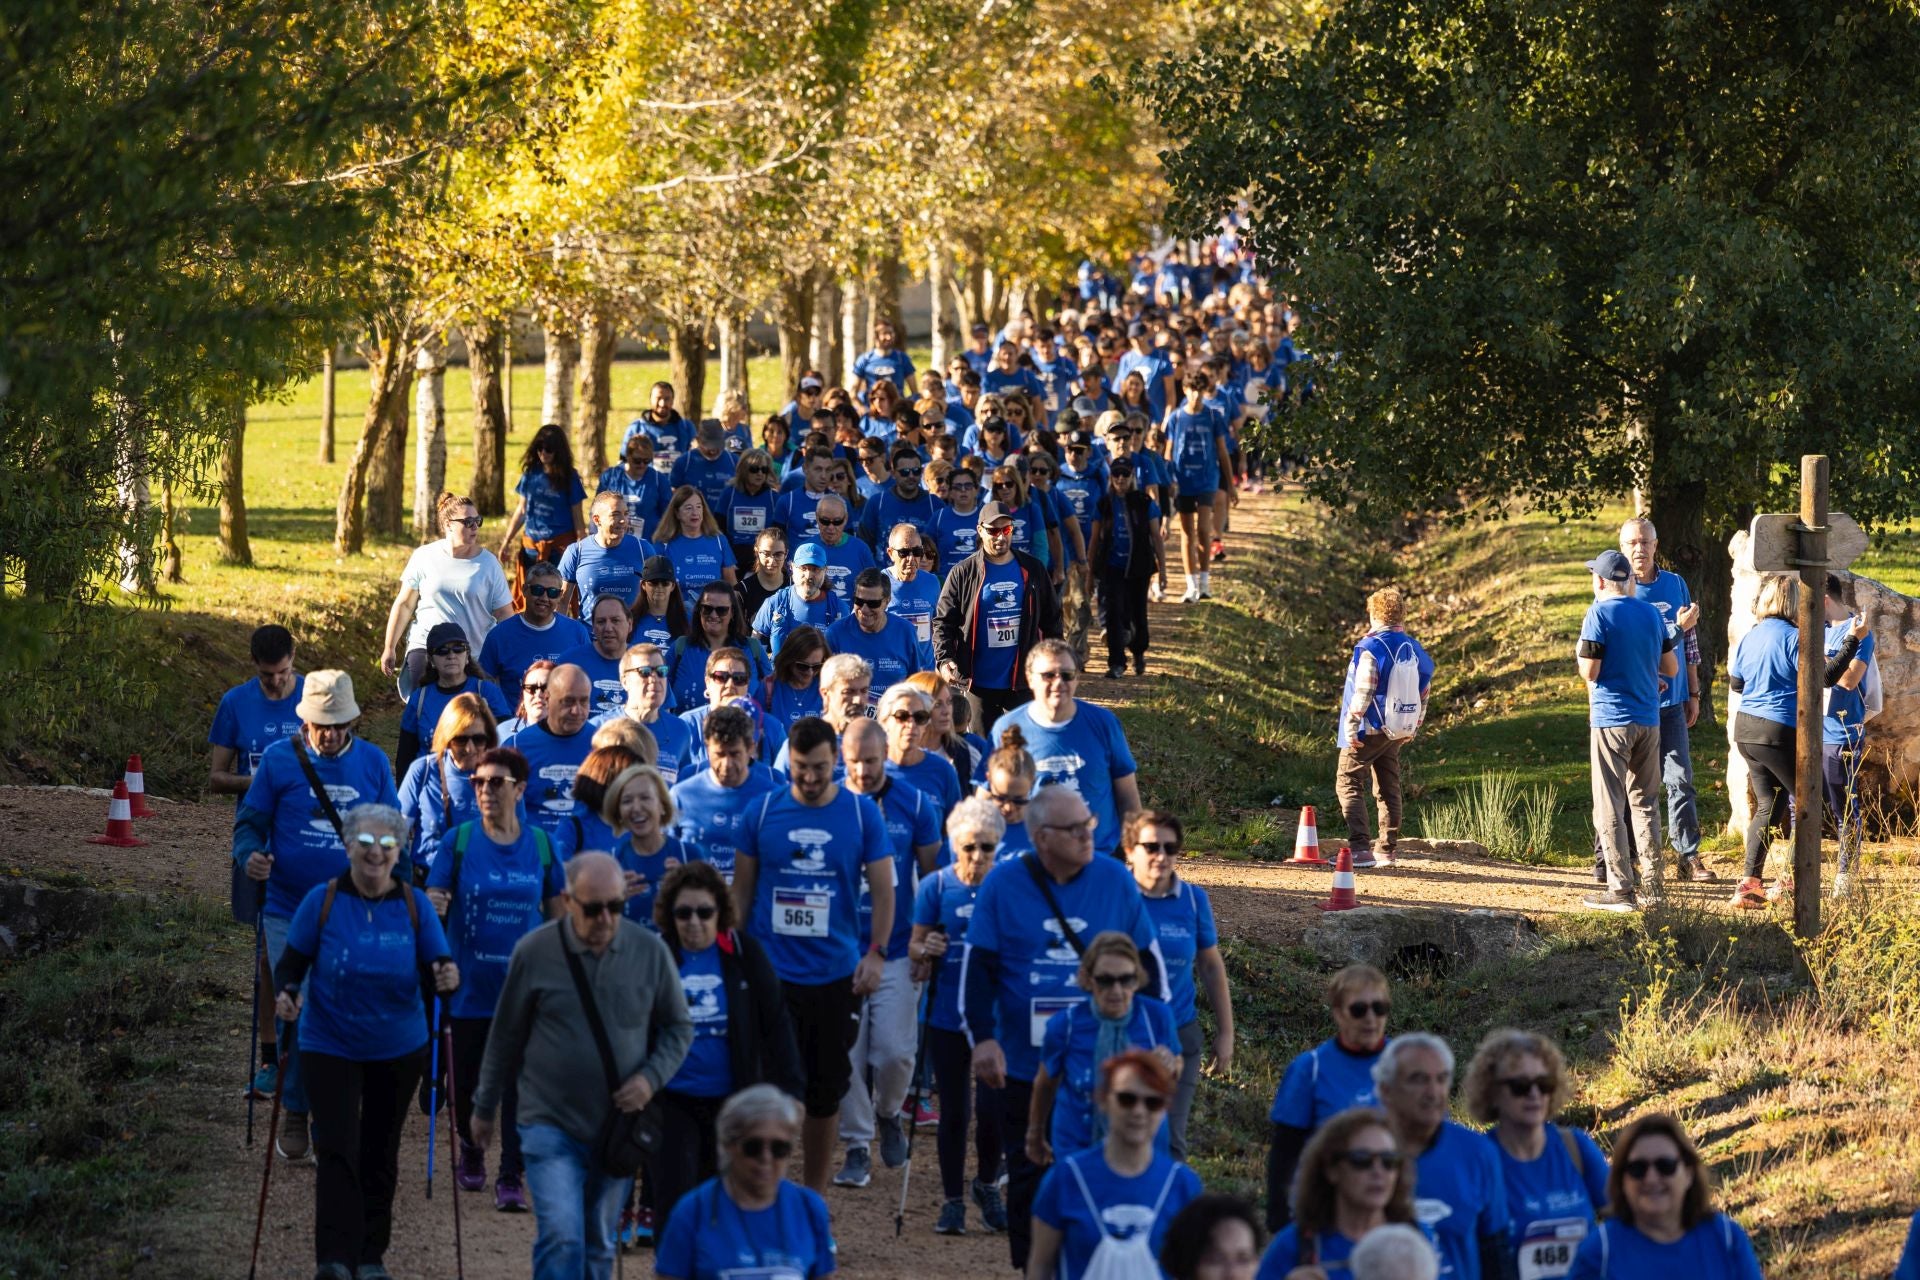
x,y
657,569
1080,439
442,633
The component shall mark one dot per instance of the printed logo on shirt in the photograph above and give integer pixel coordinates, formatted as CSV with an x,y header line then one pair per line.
x,y
810,850
703,998
1062,951
1429,1211
557,796
1060,770
344,798
1127,1219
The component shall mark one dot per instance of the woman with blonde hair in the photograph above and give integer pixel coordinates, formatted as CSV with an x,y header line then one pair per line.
x,y
1352,1178
637,807
748,509
1329,1078
1556,1177
689,537
451,579
437,792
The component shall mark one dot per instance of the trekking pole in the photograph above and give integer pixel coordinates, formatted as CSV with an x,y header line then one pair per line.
x,y
917,1093
253,1032
266,1178
453,1140
433,1100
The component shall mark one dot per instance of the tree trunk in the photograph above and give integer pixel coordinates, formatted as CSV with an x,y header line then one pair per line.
x,y
136,502
506,372
486,346
851,327
389,375
940,324
886,298
563,357
233,546
733,360
170,569
387,474
327,388
1698,554
430,437
687,366
596,394
794,312
828,352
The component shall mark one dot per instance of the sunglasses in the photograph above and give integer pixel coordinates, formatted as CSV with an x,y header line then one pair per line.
x,y
545,593
907,473
1128,1100
808,668
368,840
594,910
728,677
904,553
829,522
490,781
917,717
868,602
1361,1008
450,651
531,687
1050,676
716,610
470,522
659,671
759,471
998,530
1359,1158
690,913
755,1148
1157,846
1108,981
468,739
1521,1086
1665,1166
1007,799
977,847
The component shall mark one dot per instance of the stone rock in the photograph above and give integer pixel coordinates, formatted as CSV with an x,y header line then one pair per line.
x,y
1444,848
32,915
1890,773
1406,940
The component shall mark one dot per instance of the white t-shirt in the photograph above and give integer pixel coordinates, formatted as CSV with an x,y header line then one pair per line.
x,y
454,590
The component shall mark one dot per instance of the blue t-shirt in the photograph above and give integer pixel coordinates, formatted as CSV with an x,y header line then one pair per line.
x,y
677,746
1087,754
1083,1199
1553,1205
1081,490
1184,921
745,516
707,1070
421,715
1332,1248
1036,963
1056,378
1461,1196
934,777
305,849
785,610
770,733
498,899
878,366
1068,1055
1767,660
1668,593
698,561
786,704
812,862
713,478
1323,1082
609,695
956,536
514,645
427,806
912,820
1716,1249
996,382
798,512
1155,369
1632,637
363,993
845,560
1845,719
1909,1268
653,629
883,512
914,601
1015,842
1381,649
247,722
894,652
709,1237
1196,461
1030,525
945,899
670,439
996,629
646,497
711,816
549,512
595,570
652,868
551,763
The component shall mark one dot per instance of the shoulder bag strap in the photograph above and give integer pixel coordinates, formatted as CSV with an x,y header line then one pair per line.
x,y
446,793
319,789
1053,903
1573,1150
585,992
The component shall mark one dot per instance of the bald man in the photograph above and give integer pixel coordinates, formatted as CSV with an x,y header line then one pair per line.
x,y
554,749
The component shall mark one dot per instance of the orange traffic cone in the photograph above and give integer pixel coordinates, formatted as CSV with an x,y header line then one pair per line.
x,y
136,789
1342,899
1306,841
119,822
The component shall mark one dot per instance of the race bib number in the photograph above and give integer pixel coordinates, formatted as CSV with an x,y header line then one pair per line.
x,y
761,1273
1546,1251
801,913
749,519
923,627
1042,1010
1003,633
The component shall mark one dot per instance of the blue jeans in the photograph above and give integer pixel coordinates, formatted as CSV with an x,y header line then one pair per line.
x,y
576,1208
293,1081
1676,774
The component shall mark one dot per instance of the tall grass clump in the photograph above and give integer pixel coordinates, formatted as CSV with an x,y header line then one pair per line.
x,y
1866,966
1508,819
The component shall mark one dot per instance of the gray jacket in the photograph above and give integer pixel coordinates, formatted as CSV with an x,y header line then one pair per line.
x,y
541,1036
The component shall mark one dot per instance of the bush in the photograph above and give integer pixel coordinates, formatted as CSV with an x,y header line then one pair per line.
x,y
1866,966
1509,820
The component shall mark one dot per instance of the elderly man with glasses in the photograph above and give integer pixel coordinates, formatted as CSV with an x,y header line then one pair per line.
x,y
539,632
845,556
889,644
914,587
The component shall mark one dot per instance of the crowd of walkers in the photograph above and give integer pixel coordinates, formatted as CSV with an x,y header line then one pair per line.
x,y
745,818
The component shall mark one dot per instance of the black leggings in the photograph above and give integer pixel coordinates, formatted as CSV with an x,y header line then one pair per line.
x,y
1125,602
953,1072
1770,772
359,1111
469,1049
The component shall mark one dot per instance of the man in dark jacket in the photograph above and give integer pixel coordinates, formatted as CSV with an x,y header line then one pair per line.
x,y
998,603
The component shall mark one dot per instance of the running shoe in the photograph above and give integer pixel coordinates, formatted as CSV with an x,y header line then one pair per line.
x,y
927,1111
1750,895
1139,664
1363,860
1780,890
1114,673
471,1175
294,1143
1383,857
510,1194
263,1082
1618,901
1218,551
992,1211
953,1219
1191,594
857,1171
893,1141
1843,885
643,1225
629,1230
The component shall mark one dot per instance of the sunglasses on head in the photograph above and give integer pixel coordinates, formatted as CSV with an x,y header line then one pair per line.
x,y
755,1148
689,913
1128,1100
1361,1008
488,782
545,593
1521,1086
594,910
1360,1158
1665,1166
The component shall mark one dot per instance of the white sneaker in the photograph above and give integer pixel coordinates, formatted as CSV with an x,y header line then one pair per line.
x,y
1192,595
1153,592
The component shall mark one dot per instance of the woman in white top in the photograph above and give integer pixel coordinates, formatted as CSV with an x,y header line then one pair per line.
x,y
453,580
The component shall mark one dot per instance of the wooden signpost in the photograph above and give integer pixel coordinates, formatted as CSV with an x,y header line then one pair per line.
x,y
1809,544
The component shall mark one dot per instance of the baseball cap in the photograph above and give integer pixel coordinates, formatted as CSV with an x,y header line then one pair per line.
x,y
993,513
657,569
1611,566
444,633
810,553
1083,439
811,384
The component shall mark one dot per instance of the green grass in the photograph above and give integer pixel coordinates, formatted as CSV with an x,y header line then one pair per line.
x,y
1894,559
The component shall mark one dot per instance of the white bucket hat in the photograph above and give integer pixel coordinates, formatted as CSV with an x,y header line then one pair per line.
x,y
327,699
